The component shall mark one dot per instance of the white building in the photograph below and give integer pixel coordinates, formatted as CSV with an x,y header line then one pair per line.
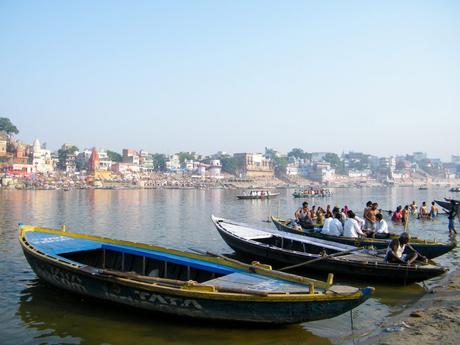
x,y
215,168
173,163
41,159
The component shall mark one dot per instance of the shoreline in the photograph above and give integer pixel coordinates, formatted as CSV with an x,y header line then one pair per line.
x,y
433,319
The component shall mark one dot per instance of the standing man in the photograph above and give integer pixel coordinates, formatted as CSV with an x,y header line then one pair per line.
x,y
451,216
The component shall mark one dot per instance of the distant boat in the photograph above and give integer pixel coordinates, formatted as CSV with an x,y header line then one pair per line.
x,y
180,283
257,194
423,188
454,190
312,193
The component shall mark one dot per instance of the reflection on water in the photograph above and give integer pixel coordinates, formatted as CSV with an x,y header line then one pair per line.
x,y
34,312
74,319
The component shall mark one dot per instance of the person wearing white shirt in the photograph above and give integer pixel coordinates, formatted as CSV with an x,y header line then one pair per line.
x,y
381,227
327,222
351,227
361,222
336,227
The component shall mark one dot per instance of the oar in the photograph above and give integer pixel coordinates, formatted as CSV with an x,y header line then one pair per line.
x,y
221,257
388,211
320,258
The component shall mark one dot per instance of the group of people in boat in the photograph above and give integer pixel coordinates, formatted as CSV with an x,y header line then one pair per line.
x,y
343,222
259,193
315,192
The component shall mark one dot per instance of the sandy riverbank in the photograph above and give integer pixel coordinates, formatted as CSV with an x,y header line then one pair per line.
x,y
434,319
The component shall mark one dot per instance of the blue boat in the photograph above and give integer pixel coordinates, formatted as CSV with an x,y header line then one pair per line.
x,y
181,283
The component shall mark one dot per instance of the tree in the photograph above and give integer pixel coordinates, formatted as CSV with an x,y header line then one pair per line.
x,y
159,161
335,162
229,164
296,153
7,126
114,156
280,165
183,156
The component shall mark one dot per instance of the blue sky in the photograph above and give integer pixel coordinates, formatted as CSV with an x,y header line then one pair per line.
x,y
381,77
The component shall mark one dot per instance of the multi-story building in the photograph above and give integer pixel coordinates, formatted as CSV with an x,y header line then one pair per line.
x,y
253,165
173,163
322,172
146,161
130,156
3,144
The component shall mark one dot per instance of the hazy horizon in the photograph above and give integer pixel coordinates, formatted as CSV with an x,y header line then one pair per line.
x,y
381,78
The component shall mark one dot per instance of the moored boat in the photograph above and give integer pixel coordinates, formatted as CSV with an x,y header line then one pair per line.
x,y
291,249
181,283
428,248
447,205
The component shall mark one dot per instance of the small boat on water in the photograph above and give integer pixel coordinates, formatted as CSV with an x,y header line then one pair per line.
x,y
291,249
181,283
455,190
430,249
257,194
312,193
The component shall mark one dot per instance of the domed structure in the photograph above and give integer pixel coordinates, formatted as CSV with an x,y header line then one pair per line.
x,y
36,146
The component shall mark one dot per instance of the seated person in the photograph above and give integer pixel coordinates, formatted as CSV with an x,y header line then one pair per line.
x,y
352,227
327,222
361,222
336,227
395,251
381,227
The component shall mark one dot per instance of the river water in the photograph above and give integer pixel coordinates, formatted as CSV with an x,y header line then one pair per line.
x,y
33,312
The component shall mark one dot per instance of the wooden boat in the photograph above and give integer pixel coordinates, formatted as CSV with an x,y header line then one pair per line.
x,y
291,249
253,195
180,283
430,249
446,204
303,195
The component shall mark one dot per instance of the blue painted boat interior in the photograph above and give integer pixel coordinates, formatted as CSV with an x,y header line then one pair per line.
x,y
56,245
73,250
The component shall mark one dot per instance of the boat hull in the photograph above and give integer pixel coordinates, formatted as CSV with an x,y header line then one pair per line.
x,y
256,197
446,204
393,274
430,250
222,310
51,254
